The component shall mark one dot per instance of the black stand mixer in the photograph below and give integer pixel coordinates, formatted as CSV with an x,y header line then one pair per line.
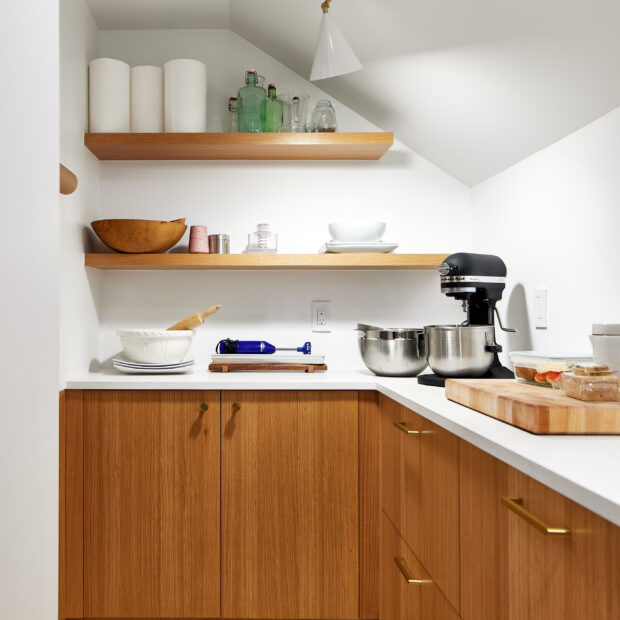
x,y
465,350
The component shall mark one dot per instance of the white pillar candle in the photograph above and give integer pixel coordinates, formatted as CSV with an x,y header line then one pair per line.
x,y
147,99
185,86
108,95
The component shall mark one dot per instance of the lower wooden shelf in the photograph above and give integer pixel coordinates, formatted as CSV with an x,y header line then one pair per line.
x,y
155,262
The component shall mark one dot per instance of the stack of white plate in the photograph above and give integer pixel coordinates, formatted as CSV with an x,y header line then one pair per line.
x,y
135,368
357,237
342,247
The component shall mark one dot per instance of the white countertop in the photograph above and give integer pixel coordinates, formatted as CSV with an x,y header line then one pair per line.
x,y
585,469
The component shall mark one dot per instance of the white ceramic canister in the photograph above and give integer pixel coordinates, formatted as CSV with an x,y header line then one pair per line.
x,y
605,341
108,96
185,100
147,99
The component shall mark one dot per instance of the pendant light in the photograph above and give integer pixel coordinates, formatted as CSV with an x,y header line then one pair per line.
x,y
333,55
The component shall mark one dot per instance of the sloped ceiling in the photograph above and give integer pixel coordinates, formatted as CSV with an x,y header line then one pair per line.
x,y
472,85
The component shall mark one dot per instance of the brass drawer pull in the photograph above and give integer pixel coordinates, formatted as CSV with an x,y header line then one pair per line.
x,y
404,571
516,505
405,429
204,406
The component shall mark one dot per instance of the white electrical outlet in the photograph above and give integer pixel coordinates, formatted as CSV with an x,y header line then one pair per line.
x,y
540,308
320,316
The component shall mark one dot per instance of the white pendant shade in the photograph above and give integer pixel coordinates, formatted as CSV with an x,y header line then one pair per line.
x,y
334,55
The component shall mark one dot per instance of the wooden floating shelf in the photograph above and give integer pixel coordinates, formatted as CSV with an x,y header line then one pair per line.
x,y
156,262
239,146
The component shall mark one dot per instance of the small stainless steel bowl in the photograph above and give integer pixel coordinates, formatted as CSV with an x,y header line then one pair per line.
x,y
392,352
460,351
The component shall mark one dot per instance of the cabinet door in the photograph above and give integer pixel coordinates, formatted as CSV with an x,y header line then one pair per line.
x,y
151,504
484,581
290,505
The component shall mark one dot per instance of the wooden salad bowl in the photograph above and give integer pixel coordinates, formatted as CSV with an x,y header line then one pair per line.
x,y
139,236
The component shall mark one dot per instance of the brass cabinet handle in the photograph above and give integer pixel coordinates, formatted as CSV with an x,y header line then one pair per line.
x,y
404,571
405,429
204,406
236,407
516,505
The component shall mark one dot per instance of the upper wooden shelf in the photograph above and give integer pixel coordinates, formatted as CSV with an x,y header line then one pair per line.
x,y
240,146
155,262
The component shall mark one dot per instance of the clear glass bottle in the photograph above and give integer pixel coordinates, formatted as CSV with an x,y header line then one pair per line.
x,y
324,116
249,102
263,241
296,121
272,111
233,126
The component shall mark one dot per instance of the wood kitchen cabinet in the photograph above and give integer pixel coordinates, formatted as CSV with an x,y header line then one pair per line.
x,y
290,504
510,570
140,515
420,491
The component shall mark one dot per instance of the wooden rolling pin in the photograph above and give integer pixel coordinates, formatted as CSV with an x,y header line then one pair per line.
x,y
195,320
68,181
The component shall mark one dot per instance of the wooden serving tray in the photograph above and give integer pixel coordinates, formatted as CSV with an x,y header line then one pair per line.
x,y
266,367
536,409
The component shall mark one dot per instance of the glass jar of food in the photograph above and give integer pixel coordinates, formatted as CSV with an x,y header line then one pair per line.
x,y
324,116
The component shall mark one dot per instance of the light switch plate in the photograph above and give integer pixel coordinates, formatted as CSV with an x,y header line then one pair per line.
x,y
540,308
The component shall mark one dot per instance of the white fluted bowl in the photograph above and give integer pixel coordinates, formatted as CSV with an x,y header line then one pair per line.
x,y
356,231
155,346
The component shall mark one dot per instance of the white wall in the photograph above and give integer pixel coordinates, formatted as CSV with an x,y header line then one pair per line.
x,y
29,310
554,219
426,211
79,288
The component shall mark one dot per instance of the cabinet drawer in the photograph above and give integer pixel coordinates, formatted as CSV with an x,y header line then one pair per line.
x,y
518,563
408,591
392,461
420,491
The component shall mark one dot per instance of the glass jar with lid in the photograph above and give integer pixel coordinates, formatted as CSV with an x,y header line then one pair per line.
x,y
324,116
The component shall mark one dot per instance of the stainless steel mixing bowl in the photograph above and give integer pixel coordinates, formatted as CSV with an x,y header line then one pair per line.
x,y
460,351
392,352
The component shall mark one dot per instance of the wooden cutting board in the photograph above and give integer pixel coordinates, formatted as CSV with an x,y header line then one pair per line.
x,y
536,409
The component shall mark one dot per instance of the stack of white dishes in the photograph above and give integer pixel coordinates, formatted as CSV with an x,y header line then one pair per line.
x,y
357,237
136,368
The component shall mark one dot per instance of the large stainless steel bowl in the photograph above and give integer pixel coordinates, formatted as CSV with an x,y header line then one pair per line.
x,y
392,352
460,351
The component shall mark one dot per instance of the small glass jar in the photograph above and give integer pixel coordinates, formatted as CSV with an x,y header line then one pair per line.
x,y
324,116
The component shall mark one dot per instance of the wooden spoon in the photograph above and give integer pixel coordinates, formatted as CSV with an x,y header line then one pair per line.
x,y
195,320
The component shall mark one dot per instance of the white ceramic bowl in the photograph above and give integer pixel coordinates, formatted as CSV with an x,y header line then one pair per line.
x,y
356,231
155,346
606,350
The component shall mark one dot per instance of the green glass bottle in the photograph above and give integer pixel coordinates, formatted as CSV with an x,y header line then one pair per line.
x,y
249,104
272,111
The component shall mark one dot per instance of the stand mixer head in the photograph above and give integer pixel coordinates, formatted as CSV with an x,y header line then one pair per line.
x,y
479,281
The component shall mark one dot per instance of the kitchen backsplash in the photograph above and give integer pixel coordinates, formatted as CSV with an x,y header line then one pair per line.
x,y
272,306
